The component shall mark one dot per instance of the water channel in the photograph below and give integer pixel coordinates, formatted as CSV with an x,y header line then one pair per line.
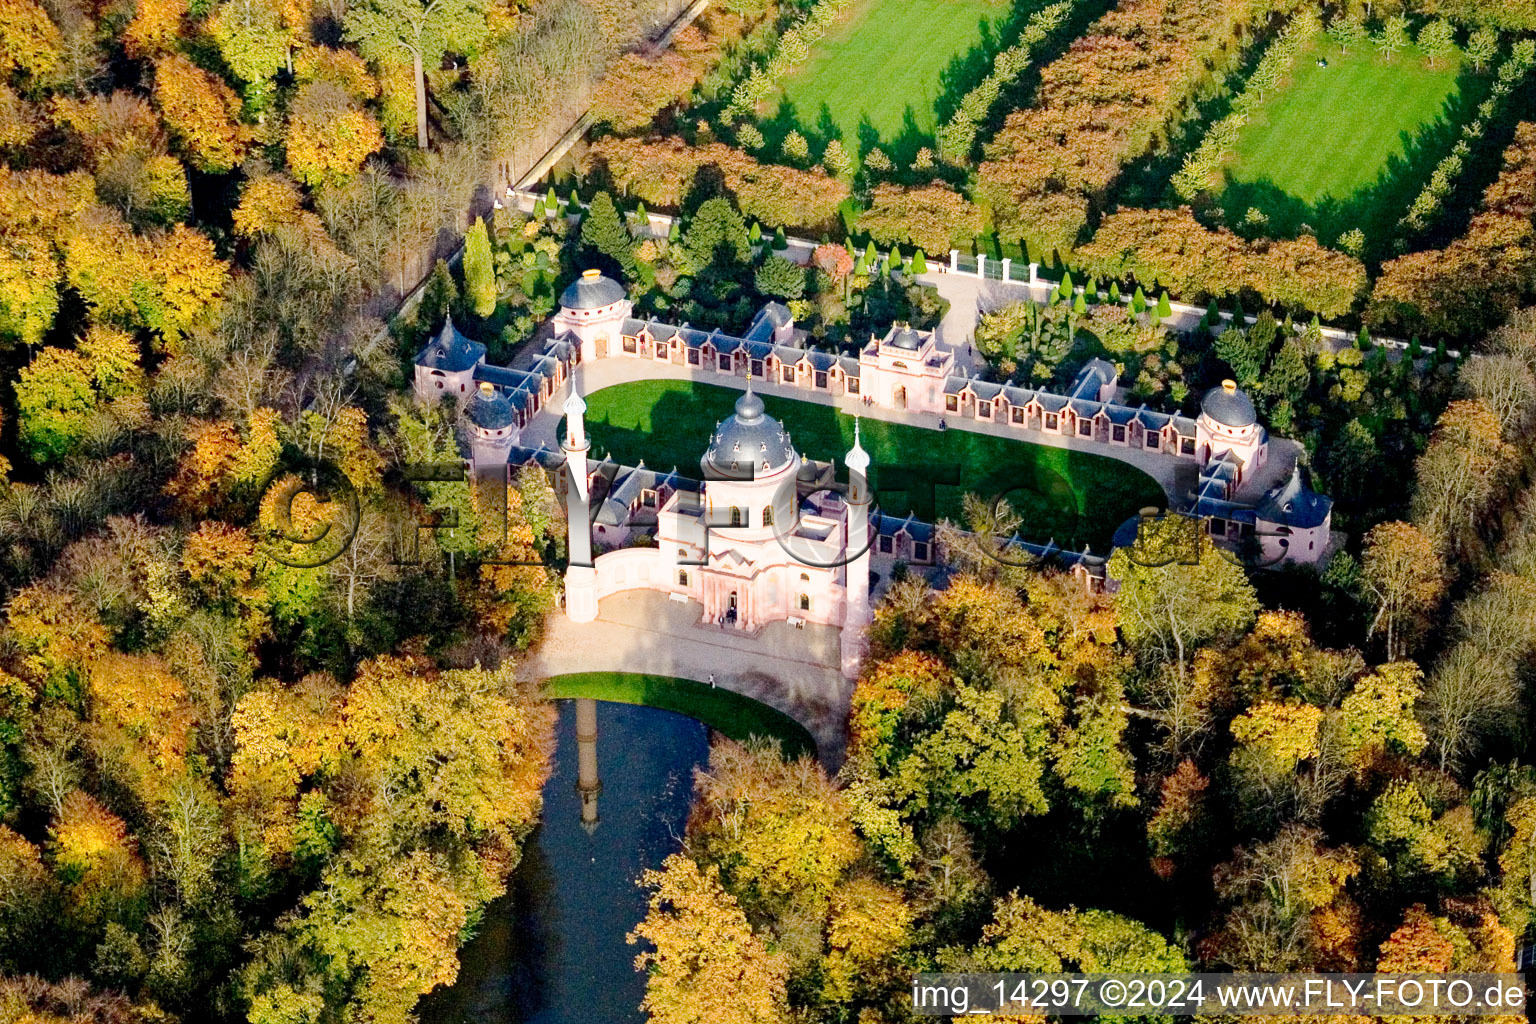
x,y
552,950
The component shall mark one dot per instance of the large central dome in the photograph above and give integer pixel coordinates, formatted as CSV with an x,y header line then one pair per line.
x,y
748,444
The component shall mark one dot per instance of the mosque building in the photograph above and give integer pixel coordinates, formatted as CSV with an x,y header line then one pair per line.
x,y
763,534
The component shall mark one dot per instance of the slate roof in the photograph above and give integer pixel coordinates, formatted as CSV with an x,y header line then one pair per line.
x,y
450,351
490,408
1228,406
1295,504
749,438
592,290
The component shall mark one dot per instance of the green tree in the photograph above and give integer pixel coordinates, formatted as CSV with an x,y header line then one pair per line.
x,y
1177,591
423,31
1238,350
1483,47
919,263
781,278
796,149
54,399
1393,37
836,159
1438,40
604,232
1347,30
716,233
1287,376
479,270
1164,308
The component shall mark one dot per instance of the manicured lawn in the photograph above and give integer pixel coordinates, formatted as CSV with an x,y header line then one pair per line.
x,y
722,710
1347,145
1071,496
882,68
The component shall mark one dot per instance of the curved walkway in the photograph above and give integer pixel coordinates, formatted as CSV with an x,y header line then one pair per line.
x,y
1174,475
797,671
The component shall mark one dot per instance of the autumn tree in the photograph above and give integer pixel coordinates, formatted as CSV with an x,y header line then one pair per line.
x,y
705,964
30,42
1459,476
1404,575
329,135
201,112
780,829
421,31
1279,893
1177,591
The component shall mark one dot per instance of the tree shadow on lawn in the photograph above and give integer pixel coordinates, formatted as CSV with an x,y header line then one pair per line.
x,y
1374,209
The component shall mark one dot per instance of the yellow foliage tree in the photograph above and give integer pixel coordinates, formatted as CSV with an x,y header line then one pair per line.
x,y
341,68
705,965
189,281
329,135
201,113
92,848
267,202
155,28
29,40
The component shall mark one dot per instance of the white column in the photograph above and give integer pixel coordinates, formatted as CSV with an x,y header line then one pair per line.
x,y
856,616
580,575
1034,273
981,264
954,260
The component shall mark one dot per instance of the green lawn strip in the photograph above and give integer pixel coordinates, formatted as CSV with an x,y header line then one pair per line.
x,y
883,63
1328,148
723,710
1072,497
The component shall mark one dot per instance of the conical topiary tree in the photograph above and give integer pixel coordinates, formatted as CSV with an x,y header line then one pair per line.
x,y
780,242
1164,307
871,254
755,233
1363,340
479,270
1080,306
551,201
1066,287
1139,301
919,264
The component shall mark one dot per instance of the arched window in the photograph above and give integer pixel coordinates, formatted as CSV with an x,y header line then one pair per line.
x,y
806,576
735,516
682,577
767,515
805,602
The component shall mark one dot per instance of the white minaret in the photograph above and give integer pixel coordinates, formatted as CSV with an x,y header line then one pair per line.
x,y
856,615
580,575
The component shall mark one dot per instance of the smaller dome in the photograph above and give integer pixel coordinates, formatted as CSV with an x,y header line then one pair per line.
x,y
489,409
592,290
575,406
1228,406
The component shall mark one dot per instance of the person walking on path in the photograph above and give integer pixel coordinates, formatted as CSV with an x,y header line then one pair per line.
x,y
711,680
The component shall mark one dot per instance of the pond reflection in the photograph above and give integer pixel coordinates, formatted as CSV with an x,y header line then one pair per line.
x,y
552,950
